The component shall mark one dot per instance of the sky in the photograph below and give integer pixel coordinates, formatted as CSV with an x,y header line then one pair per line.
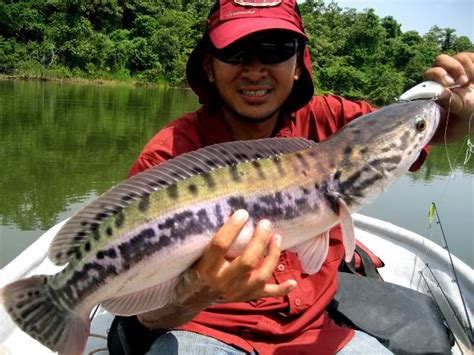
x,y
421,15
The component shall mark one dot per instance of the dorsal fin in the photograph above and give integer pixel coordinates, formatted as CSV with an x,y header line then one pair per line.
x,y
86,222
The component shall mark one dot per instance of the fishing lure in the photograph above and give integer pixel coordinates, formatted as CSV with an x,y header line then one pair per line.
x,y
429,90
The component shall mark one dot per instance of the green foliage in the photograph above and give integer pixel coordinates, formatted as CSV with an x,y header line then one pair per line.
x,y
361,56
141,39
355,54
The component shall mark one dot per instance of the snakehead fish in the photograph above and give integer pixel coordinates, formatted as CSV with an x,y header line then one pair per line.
x,y
127,249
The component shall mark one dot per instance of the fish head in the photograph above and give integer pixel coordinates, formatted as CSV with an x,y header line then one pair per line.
x,y
386,143
401,131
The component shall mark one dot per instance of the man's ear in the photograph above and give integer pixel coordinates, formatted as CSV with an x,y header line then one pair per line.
x,y
208,68
298,70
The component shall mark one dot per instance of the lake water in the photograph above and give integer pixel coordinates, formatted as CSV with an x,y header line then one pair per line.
x,y
62,145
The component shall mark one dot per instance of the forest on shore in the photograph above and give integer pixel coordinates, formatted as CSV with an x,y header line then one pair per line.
x,y
355,54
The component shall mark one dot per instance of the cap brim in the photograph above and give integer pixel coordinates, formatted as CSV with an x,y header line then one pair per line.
x,y
229,32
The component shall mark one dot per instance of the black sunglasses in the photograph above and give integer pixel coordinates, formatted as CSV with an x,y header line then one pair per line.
x,y
267,51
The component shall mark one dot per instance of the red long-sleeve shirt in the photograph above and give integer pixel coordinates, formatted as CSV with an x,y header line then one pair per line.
x,y
297,323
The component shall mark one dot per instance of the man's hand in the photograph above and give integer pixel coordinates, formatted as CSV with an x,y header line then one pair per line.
x,y
216,279
245,277
457,74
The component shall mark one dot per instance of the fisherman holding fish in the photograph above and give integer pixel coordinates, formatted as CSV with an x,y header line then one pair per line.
x,y
229,234
252,73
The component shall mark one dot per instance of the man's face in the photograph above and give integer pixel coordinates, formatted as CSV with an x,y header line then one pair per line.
x,y
255,76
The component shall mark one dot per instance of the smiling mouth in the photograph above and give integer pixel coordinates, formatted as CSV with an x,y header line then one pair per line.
x,y
255,93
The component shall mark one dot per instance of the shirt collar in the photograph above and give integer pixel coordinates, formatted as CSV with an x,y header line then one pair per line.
x,y
216,130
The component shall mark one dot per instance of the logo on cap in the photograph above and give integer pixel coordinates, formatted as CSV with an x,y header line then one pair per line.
x,y
258,3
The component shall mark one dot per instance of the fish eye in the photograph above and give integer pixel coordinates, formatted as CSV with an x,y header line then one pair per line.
x,y
420,124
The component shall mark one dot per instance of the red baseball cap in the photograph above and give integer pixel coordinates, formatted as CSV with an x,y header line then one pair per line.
x,y
235,19
231,20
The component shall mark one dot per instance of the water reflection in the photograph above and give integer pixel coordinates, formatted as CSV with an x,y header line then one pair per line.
x,y
64,144
61,143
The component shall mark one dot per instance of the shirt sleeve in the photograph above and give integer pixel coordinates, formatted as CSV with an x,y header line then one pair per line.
x,y
173,140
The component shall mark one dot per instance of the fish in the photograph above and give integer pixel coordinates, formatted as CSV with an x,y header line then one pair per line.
x,y
128,249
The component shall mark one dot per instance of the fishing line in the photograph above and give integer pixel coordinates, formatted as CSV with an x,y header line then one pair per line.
x,y
451,175
470,146
453,164
434,212
430,290
467,140
446,133
449,322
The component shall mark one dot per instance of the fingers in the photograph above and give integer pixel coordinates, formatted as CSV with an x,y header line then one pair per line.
x,y
254,251
467,62
271,260
273,290
452,70
220,244
456,73
245,277
264,272
262,267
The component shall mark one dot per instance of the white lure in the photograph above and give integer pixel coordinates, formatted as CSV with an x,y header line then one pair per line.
x,y
429,90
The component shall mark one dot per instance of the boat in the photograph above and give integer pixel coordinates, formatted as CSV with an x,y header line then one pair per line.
x,y
410,260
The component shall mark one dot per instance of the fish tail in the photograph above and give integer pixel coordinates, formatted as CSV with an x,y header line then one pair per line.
x,y
32,306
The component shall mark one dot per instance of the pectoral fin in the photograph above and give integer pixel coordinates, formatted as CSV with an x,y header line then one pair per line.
x,y
347,226
313,252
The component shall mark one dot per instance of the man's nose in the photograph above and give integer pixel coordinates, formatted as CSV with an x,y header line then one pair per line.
x,y
253,68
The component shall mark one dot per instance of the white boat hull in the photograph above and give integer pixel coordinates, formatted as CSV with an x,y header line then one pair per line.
x,y
410,260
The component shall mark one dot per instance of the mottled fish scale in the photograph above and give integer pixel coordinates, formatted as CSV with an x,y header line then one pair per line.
x,y
158,203
140,212
125,193
96,270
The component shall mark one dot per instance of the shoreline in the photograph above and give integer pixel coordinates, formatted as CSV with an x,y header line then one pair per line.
x,y
86,81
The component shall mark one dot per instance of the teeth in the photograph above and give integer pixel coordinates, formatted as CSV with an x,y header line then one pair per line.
x,y
254,92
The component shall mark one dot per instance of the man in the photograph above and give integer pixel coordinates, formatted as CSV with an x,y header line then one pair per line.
x,y
252,73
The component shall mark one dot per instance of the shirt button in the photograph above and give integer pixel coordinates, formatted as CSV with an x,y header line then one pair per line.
x,y
298,302
280,267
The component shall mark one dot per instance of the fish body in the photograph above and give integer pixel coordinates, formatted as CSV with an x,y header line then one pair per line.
x,y
127,250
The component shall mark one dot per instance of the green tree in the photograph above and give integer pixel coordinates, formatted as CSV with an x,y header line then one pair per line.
x,y
355,54
392,27
104,15
462,44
